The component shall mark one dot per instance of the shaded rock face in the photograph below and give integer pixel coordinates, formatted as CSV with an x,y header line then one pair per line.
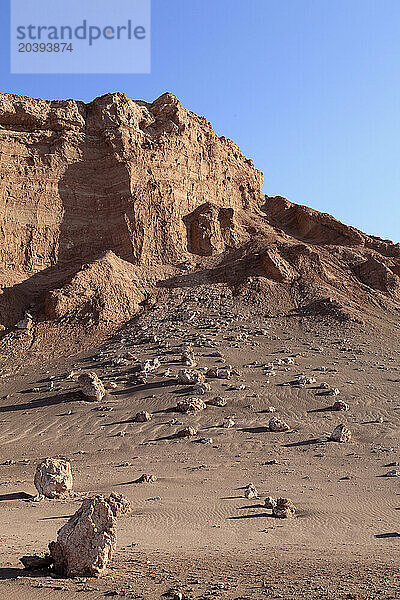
x,y
210,229
276,267
377,275
86,543
53,478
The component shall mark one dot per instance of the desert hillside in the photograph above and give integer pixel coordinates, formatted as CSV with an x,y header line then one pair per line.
x,y
224,363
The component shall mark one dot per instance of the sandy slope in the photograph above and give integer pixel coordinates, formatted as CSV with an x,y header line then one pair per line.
x,y
193,526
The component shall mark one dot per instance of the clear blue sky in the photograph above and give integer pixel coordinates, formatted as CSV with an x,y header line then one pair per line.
x,y
309,89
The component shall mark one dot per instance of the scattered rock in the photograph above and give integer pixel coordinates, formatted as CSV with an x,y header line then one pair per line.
x,y
250,491
303,381
340,405
187,432
393,473
142,417
53,478
91,387
341,434
201,388
217,401
150,365
276,424
220,372
187,357
270,502
228,423
146,478
283,509
333,392
190,377
190,405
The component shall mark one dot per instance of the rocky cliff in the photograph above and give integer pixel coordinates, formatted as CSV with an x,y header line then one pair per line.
x,y
103,203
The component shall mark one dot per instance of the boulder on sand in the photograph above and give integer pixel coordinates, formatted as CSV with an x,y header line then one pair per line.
x,y
91,387
86,543
283,509
340,434
53,478
277,424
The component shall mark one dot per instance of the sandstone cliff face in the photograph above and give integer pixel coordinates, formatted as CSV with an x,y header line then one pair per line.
x,y
80,179
102,203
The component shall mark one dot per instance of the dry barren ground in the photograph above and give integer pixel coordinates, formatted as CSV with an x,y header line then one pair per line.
x,y
193,531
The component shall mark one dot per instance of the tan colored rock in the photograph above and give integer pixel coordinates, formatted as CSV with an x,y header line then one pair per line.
x,y
190,377
333,392
210,229
84,241
251,491
53,478
91,386
217,401
340,405
187,432
220,372
187,357
270,502
190,405
284,508
228,423
276,424
104,291
86,543
150,365
341,434
378,275
107,154
275,267
147,478
143,416
119,504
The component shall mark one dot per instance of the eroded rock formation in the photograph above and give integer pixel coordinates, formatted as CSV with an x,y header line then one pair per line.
x,y
102,204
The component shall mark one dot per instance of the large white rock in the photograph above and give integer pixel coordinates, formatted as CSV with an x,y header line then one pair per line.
x,y
53,478
86,543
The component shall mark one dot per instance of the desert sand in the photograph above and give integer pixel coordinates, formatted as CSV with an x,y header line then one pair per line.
x,y
193,529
